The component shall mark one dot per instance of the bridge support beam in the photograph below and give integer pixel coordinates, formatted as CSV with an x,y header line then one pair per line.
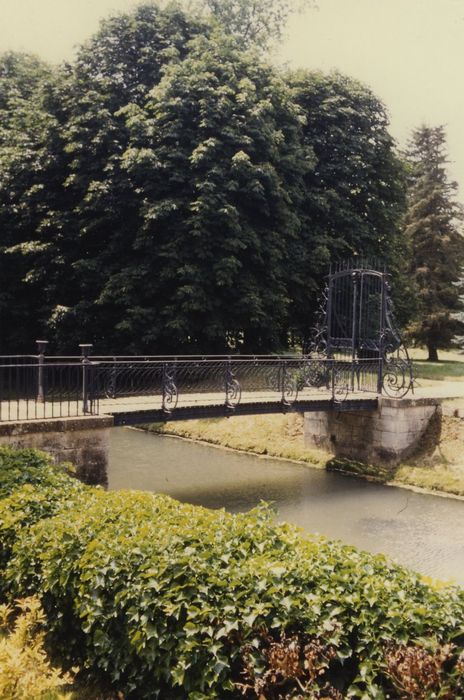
x,y
82,441
384,436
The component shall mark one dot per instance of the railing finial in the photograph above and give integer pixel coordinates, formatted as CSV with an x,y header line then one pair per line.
x,y
85,350
41,347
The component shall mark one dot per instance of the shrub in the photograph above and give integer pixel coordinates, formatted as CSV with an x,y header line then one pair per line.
x,y
28,466
171,600
27,506
25,671
168,600
31,488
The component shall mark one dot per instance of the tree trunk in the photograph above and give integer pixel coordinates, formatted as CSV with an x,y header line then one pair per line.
x,y
433,354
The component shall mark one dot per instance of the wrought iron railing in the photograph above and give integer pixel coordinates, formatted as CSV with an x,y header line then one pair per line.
x,y
30,391
40,386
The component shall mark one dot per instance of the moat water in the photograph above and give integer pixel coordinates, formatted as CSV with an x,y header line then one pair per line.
x,y
425,533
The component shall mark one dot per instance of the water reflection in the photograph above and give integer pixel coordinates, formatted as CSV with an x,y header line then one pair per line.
x,y
425,533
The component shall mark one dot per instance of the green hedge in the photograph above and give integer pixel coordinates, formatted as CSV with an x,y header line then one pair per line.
x,y
31,488
19,467
166,600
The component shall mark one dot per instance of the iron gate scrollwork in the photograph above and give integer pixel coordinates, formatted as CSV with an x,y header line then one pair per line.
x,y
356,329
232,387
169,388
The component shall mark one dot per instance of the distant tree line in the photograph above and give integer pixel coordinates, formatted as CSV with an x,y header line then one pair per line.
x,y
170,191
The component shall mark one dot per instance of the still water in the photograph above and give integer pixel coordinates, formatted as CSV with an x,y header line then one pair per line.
x,y
425,533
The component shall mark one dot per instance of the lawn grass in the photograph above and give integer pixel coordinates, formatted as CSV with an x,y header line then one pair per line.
x,y
438,478
441,371
450,366
438,465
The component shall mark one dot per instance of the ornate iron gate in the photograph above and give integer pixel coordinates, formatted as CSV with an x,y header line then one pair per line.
x,y
357,329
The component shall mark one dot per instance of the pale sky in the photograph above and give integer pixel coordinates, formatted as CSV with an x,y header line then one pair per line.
x,y
410,52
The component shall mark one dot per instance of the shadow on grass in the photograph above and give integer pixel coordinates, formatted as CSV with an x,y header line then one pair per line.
x,y
445,369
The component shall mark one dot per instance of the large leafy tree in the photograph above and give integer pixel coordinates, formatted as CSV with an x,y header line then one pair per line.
x,y
21,75
117,67
354,196
29,188
217,158
433,230
79,210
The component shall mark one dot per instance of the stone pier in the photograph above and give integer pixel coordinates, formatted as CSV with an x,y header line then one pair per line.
x,y
82,441
384,436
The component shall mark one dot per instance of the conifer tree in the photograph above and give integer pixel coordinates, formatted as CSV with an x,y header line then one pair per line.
x,y
433,230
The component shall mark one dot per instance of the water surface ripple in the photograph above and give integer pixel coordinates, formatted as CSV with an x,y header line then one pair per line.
x,y
425,533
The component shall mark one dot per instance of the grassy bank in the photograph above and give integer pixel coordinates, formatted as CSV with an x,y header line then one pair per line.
x,y
441,466
275,436
437,467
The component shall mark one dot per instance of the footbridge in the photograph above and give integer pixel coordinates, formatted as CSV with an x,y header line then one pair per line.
x,y
355,355
355,358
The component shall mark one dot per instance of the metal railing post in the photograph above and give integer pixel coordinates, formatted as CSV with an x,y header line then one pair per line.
x,y
164,386
228,381
332,366
85,349
383,317
41,347
283,378
233,390
354,330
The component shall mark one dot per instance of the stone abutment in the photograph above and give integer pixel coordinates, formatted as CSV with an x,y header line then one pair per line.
x,y
82,441
383,436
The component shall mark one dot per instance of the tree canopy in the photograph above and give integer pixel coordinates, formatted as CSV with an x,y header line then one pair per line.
x,y
217,158
170,191
28,169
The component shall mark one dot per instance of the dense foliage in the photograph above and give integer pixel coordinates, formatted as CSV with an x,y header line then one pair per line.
x,y
433,228
25,671
354,195
163,600
169,191
28,466
217,158
28,178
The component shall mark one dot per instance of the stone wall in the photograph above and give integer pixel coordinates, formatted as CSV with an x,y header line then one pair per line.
x,y
82,441
384,436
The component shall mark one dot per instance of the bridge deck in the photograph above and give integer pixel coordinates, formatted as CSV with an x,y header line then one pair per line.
x,y
130,410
